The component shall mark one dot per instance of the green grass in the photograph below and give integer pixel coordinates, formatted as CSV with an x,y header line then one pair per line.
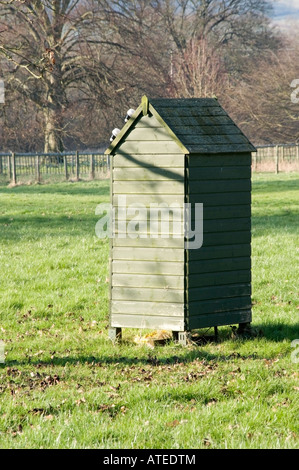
x,y
65,385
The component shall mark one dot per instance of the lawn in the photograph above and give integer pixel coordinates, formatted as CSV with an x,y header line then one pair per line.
x,y
65,385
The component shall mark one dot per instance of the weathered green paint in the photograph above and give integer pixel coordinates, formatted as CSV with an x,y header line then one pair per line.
x,y
218,305
140,320
144,134
154,147
225,212
151,198
148,280
148,267
205,186
221,251
218,319
148,294
153,173
217,265
148,254
148,308
218,292
158,187
176,151
163,161
223,199
218,148
226,225
227,238
220,160
219,173
150,242
218,278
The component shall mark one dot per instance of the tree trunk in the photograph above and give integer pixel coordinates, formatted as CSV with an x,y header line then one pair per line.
x,y
53,119
53,130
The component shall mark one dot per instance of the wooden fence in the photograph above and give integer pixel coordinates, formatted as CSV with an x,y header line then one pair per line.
x,y
276,158
42,167
22,167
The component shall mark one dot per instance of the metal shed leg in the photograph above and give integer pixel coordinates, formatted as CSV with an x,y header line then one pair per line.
x,y
175,335
216,333
114,334
181,337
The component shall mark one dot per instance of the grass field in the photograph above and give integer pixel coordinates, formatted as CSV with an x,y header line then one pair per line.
x,y
65,385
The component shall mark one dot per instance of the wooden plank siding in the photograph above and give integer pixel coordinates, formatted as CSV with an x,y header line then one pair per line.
x,y
177,151
147,274
152,321
218,275
218,319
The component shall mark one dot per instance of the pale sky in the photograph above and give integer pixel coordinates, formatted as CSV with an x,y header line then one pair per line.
x,y
286,13
285,8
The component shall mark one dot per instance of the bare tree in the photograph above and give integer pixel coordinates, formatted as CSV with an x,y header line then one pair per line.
x,y
52,54
81,61
198,71
225,20
77,64
262,101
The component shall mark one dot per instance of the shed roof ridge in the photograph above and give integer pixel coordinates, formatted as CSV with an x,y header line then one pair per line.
x,y
203,112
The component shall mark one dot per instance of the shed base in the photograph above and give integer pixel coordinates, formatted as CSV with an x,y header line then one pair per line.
x,y
114,334
181,337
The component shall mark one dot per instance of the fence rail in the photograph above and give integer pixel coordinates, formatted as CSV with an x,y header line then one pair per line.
x,y
21,167
24,167
276,158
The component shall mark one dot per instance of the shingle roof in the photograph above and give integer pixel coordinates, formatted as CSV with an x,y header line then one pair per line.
x,y
200,124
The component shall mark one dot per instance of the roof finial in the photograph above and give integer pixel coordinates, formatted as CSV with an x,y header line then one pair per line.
x,y
144,102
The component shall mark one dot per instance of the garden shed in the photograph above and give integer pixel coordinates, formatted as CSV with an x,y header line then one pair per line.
x,y
175,153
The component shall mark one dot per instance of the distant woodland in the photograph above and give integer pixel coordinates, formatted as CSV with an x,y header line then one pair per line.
x,y
72,68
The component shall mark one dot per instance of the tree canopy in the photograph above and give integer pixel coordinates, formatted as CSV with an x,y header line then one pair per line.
x,y
72,67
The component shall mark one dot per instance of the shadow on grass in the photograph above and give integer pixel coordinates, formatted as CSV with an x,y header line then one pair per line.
x,y
277,332
279,223
84,224
35,227
94,188
270,332
277,185
122,360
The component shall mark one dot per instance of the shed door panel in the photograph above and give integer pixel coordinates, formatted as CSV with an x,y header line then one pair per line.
x,y
147,272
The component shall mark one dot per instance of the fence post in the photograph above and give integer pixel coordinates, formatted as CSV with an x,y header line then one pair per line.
x,y
13,167
1,166
37,169
297,151
91,167
9,167
77,165
65,167
276,160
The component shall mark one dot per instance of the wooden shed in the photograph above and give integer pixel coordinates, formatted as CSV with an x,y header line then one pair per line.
x,y
169,153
